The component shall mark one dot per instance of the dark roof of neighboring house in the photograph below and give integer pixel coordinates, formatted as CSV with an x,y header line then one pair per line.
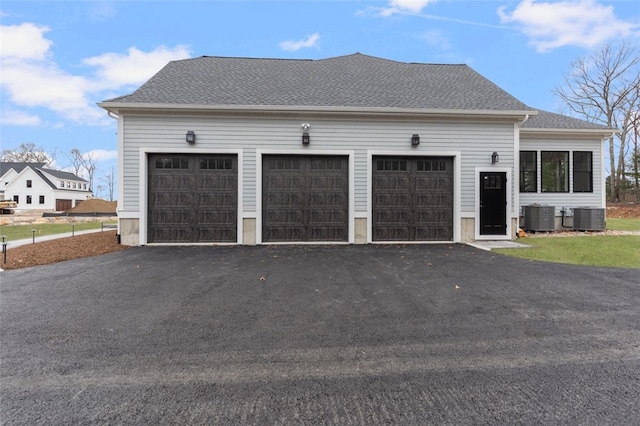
x,y
357,80
63,175
551,120
5,166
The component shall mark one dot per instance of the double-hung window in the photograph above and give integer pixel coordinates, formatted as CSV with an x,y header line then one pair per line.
x,y
554,171
528,171
582,171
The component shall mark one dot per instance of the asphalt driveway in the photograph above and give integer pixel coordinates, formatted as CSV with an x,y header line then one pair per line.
x,y
418,334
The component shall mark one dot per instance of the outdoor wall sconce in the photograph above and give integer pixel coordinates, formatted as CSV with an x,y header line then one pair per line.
x,y
306,139
495,158
191,137
415,139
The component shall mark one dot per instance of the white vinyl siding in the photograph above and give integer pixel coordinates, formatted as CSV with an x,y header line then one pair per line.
x,y
475,141
569,199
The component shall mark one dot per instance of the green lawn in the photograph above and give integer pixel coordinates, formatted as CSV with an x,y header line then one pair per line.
x,y
623,224
621,251
19,232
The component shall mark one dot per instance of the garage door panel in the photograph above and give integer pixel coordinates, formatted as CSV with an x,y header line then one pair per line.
x,y
392,233
325,232
392,182
326,217
172,181
214,217
286,200
433,217
391,199
326,183
173,235
192,198
211,200
412,199
327,200
432,183
292,182
171,199
432,200
206,182
284,234
305,198
284,217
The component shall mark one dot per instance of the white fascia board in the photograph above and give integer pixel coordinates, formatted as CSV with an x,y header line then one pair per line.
x,y
528,132
123,107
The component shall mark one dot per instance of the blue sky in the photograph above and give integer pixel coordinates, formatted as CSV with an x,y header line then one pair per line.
x,y
61,57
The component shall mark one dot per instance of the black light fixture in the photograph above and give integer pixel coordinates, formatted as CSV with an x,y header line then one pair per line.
x,y
495,158
191,137
415,139
306,138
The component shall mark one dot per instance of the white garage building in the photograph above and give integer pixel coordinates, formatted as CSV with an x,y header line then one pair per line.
x,y
352,149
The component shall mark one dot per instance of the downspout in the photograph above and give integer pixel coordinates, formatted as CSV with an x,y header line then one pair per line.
x,y
524,120
116,117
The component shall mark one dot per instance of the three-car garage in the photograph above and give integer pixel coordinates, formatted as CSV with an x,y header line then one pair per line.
x,y
194,198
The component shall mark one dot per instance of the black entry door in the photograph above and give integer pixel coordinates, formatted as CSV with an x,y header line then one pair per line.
x,y
493,203
305,198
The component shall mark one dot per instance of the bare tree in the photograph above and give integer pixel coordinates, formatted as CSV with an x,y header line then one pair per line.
x,y
75,156
634,164
603,88
84,162
28,152
109,180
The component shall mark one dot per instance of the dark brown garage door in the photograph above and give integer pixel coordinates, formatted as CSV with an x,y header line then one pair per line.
x,y
412,199
305,198
193,198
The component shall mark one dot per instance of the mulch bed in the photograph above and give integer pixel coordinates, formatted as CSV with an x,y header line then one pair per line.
x,y
61,249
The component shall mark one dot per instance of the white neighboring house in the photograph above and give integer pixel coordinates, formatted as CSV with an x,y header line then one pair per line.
x,y
35,187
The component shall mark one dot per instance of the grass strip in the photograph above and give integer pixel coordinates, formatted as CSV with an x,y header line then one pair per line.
x,y
20,232
619,251
623,224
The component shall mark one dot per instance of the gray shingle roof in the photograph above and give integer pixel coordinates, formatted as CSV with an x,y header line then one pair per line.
x,y
551,120
5,166
63,175
356,80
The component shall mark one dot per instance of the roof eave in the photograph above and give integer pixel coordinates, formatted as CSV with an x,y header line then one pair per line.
x,y
604,132
118,107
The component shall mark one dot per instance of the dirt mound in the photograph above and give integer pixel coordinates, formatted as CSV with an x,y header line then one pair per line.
x,y
623,211
95,205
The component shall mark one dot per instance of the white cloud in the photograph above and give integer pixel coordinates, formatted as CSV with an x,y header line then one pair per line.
x,y
311,41
25,42
10,117
584,23
405,6
119,70
102,155
31,78
437,39
101,11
